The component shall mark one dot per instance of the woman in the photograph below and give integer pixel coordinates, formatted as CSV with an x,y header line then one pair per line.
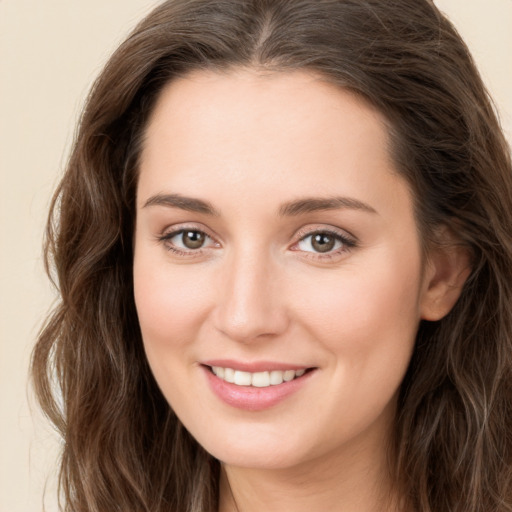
x,y
283,245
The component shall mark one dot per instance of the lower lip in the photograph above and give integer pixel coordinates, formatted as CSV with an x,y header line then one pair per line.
x,y
251,398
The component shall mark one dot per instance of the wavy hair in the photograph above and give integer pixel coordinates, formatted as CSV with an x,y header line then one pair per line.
x,y
123,447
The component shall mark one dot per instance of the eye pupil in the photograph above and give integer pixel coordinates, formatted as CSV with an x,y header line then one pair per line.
x,y
193,239
323,242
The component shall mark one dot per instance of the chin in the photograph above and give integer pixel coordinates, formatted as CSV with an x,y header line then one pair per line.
x,y
256,450
256,458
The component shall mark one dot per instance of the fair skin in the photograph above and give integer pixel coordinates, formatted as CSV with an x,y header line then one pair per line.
x,y
274,233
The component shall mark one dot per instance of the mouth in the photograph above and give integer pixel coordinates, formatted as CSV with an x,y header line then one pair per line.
x,y
260,379
256,385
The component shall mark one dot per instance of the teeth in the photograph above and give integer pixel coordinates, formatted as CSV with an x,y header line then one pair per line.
x,y
229,374
242,378
288,375
260,379
257,379
276,377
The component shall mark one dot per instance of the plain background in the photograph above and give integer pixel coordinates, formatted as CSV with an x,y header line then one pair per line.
x,y
50,51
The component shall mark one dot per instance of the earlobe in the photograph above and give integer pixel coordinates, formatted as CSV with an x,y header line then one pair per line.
x,y
447,269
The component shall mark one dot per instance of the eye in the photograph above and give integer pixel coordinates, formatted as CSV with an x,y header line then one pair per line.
x,y
324,242
319,242
186,240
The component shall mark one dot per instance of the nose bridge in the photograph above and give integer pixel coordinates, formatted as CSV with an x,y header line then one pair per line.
x,y
250,302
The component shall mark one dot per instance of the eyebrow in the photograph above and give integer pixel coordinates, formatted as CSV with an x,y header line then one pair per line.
x,y
289,209
315,204
190,204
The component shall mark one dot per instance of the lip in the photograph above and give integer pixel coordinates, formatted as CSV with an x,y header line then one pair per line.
x,y
250,398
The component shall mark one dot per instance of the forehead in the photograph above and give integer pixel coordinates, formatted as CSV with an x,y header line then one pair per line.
x,y
247,143
243,124
247,99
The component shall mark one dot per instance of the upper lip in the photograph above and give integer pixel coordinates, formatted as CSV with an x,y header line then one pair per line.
x,y
254,366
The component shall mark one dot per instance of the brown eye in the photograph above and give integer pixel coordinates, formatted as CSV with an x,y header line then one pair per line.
x,y
323,242
187,240
193,239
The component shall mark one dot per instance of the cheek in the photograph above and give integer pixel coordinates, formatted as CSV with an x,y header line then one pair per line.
x,y
360,301
170,301
366,315
170,308
366,319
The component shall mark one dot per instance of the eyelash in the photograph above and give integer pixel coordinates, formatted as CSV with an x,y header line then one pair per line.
x,y
347,243
166,237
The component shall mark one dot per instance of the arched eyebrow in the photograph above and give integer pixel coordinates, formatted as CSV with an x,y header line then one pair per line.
x,y
315,204
190,204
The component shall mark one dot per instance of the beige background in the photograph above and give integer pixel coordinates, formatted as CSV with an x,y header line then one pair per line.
x,y
50,51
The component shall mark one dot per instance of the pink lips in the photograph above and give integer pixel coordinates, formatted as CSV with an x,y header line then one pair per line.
x,y
251,398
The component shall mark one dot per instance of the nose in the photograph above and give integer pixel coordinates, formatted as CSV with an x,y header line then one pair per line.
x,y
251,302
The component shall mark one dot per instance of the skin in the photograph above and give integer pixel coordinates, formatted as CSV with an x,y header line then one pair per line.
x,y
247,144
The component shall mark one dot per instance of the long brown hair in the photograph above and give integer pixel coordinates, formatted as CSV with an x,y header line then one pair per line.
x,y
124,449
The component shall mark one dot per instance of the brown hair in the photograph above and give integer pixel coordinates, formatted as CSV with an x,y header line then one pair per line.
x,y
124,449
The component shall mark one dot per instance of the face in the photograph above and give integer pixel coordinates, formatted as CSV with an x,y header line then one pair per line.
x,y
278,272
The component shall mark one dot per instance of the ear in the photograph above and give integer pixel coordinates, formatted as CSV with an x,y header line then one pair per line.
x,y
447,267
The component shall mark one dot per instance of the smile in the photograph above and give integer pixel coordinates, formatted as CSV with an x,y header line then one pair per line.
x,y
257,379
255,386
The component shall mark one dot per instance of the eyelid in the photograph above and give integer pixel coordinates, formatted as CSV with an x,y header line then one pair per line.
x,y
174,229
312,229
